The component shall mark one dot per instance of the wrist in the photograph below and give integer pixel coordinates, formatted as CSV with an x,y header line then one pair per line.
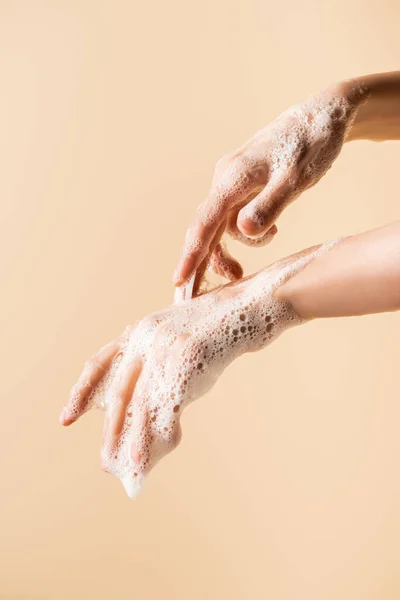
x,y
293,293
365,110
356,94
261,316
377,115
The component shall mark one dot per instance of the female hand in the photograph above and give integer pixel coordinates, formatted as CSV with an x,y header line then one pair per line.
x,y
252,186
145,378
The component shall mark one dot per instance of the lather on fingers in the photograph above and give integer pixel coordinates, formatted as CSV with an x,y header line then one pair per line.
x,y
271,170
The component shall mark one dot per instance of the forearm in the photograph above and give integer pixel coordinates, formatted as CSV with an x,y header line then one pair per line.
x,y
358,276
378,114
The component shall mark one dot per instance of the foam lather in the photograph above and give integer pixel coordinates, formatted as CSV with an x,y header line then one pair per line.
x,y
145,380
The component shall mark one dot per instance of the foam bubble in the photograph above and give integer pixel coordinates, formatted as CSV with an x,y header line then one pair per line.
x,y
298,147
182,351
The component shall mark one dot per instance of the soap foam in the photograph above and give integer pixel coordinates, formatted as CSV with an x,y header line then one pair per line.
x,y
278,163
182,352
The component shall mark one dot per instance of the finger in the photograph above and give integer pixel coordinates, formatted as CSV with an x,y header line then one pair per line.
x,y
257,217
198,240
204,264
118,401
223,264
140,445
210,214
92,375
139,452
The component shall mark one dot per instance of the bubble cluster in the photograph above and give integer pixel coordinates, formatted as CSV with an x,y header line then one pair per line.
x,y
280,161
273,168
180,352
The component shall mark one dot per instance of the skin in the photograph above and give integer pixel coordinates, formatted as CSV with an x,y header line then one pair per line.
x,y
145,378
358,275
251,186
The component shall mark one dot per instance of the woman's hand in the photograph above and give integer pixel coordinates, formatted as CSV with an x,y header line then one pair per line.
x,y
145,378
252,186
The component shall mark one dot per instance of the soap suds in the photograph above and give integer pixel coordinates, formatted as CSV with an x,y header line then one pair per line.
x,y
274,167
174,357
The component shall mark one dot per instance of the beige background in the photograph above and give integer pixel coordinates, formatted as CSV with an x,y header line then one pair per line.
x,y
287,483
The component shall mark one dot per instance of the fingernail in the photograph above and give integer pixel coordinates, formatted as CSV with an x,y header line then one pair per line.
x,y
62,416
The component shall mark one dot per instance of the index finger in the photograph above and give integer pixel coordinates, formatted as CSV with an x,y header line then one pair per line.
x,y
209,217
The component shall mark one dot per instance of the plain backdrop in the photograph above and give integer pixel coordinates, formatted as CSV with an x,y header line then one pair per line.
x,y
286,484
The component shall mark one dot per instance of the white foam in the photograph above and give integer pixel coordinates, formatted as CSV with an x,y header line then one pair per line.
x,y
296,149
183,350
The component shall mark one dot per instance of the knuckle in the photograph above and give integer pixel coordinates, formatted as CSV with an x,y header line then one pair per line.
x,y
241,164
258,172
224,161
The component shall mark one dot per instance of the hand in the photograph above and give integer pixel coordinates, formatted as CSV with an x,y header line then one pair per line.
x,y
252,186
145,378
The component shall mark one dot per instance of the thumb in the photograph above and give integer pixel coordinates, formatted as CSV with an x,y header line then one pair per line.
x,y
259,215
